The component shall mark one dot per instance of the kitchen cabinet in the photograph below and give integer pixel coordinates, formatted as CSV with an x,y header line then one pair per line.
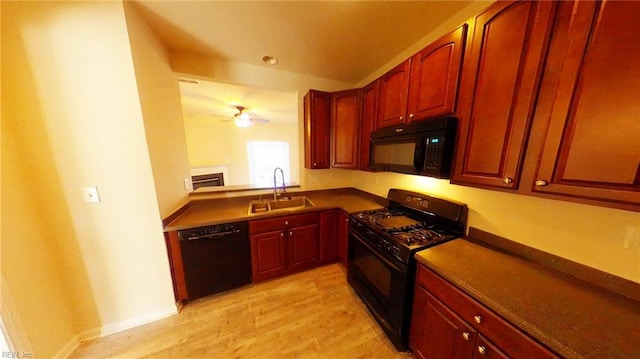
x,y
343,237
447,323
498,90
455,337
345,128
317,121
334,236
423,86
434,77
283,245
172,241
367,122
585,142
329,239
393,95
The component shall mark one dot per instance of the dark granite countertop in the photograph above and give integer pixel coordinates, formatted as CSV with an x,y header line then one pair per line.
x,y
573,317
233,209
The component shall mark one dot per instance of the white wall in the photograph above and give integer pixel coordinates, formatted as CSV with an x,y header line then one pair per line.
x,y
162,112
83,90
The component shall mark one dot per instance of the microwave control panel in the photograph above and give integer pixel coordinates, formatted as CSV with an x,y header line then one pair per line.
x,y
433,153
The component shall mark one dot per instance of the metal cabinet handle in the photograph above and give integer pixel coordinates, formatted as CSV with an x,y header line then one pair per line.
x,y
411,115
333,164
399,130
290,234
507,180
401,118
541,183
282,235
315,164
477,318
465,335
482,350
286,223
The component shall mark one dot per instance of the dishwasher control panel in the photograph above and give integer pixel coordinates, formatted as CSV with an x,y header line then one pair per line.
x,y
217,230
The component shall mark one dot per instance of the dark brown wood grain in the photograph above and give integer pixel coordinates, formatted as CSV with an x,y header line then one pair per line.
x,y
177,269
434,78
317,117
436,331
345,128
588,133
329,239
393,96
507,338
367,122
498,91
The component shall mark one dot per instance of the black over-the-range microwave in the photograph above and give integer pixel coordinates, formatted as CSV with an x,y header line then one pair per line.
x,y
422,148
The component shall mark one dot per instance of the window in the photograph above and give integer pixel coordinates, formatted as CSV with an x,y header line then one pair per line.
x,y
264,157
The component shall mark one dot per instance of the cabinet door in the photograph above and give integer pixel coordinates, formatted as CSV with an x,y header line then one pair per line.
x,y
329,239
303,246
367,122
498,91
343,233
591,143
345,128
268,255
317,115
436,332
485,350
393,92
434,79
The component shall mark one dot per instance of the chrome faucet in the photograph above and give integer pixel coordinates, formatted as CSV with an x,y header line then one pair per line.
x,y
275,186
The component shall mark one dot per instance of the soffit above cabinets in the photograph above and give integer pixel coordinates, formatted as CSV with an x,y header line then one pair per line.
x,y
339,40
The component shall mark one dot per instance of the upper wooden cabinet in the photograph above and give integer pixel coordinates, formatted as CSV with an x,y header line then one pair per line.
x,y
423,86
434,78
498,91
393,94
367,122
317,117
345,128
586,138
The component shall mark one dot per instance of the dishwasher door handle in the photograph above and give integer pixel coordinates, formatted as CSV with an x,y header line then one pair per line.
x,y
213,235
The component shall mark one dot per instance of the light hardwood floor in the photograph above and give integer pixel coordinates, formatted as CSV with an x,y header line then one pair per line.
x,y
313,314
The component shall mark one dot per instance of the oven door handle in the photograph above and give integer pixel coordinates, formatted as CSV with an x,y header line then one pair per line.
x,y
375,253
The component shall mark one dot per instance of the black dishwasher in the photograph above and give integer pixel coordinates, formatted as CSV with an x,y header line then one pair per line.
x,y
215,258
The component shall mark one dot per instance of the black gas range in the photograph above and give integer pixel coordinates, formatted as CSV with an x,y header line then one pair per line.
x,y
382,242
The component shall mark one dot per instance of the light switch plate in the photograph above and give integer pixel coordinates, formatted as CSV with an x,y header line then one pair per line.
x,y
90,194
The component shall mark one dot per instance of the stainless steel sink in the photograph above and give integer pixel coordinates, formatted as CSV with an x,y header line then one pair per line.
x,y
286,203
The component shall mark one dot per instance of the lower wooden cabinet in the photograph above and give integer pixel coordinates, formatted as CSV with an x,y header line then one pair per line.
x,y
334,235
329,238
283,245
446,323
343,237
455,338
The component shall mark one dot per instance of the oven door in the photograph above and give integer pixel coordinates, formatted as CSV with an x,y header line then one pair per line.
x,y
381,283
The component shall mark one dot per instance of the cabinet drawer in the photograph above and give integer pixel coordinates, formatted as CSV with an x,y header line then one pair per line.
x,y
280,223
511,340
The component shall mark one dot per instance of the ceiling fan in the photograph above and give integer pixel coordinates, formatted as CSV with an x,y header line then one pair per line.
x,y
243,119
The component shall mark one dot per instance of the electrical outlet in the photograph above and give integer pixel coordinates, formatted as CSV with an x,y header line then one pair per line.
x,y
90,194
187,184
631,238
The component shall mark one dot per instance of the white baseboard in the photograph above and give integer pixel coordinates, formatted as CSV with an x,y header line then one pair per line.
x,y
68,348
114,328
137,321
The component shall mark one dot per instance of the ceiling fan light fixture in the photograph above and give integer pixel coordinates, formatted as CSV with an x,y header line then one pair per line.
x,y
242,121
271,60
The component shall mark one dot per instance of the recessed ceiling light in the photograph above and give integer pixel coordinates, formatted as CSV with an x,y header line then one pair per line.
x,y
271,60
